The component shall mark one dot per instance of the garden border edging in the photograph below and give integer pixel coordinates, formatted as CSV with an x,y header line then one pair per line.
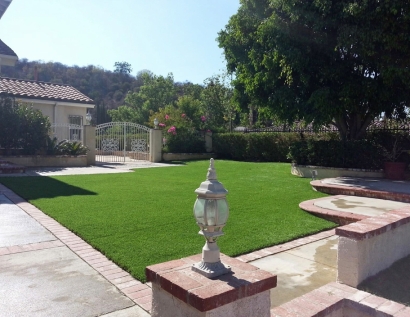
x,y
305,171
187,156
48,160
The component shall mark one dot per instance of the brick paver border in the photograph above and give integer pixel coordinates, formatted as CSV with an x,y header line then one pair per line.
x,y
139,293
340,217
333,189
334,296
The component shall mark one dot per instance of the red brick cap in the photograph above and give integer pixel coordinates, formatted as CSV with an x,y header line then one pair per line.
x,y
374,226
177,278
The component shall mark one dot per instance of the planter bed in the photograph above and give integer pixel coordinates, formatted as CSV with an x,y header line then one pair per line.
x,y
7,167
47,160
331,172
187,156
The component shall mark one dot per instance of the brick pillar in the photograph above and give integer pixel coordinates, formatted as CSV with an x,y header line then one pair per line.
x,y
89,141
179,291
155,149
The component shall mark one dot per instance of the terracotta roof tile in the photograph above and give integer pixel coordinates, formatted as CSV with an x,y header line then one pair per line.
x,y
5,50
42,90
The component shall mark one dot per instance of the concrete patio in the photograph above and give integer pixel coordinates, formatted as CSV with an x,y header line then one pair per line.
x,y
46,270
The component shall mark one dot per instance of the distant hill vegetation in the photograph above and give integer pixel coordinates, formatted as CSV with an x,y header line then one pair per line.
x,y
107,88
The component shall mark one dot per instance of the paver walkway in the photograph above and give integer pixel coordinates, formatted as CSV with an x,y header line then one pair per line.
x,y
50,271
46,270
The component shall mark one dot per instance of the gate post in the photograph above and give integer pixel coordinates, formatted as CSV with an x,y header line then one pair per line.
x,y
155,149
89,141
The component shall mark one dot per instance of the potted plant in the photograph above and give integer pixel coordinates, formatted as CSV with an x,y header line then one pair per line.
x,y
395,164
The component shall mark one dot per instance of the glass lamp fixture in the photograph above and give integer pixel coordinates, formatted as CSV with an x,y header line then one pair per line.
x,y
211,212
156,123
88,117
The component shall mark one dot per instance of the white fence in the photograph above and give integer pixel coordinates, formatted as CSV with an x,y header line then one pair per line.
x,y
67,131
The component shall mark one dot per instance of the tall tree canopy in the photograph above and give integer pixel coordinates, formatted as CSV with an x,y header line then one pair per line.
x,y
339,62
123,68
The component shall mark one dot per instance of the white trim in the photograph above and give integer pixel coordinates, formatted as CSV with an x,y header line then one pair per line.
x,y
9,57
8,60
56,103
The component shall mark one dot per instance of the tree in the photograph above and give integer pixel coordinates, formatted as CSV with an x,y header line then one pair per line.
x,y
9,122
156,92
21,126
123,68
339,62
217,101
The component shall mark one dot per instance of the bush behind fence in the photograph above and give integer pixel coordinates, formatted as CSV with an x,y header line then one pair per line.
x,y
265,147
322,149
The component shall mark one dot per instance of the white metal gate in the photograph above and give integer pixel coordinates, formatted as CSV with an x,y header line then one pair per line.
x,y
122,142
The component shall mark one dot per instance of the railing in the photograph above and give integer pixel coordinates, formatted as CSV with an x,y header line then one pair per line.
x,y
67,131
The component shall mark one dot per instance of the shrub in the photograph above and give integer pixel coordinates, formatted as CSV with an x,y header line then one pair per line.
x,y
268,147
21,126
65,147
364,154
9,123
184,141
34,129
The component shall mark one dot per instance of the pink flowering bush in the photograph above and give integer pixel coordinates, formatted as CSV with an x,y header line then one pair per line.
x,y
181,126
172,130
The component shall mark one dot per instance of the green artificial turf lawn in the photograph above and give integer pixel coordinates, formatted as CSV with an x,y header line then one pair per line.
x,y
145,217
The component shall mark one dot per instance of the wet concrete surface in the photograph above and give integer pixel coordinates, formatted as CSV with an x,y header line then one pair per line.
x,y
301,270
134,311
55,282
18,228
359,205
392,283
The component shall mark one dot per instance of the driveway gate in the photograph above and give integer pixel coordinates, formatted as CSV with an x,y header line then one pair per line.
x,y
122,142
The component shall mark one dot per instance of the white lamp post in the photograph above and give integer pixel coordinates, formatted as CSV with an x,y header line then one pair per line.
x,y
211,212
156,123
88,117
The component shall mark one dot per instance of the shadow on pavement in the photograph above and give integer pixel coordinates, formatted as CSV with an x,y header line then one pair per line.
x,y
392,283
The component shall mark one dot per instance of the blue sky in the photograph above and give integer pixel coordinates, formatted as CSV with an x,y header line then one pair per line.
x,y
162,36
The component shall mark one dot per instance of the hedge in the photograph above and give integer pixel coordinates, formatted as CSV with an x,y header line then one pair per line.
x,y
184,142
265,147
365,154
324,149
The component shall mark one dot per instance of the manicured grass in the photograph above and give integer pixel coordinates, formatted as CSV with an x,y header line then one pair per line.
x,y
141,218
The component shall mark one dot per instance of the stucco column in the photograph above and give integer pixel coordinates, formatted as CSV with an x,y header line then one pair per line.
x,y
208,142
155,149
89,141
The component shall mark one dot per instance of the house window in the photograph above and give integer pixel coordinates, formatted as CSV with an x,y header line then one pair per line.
x,y
75,133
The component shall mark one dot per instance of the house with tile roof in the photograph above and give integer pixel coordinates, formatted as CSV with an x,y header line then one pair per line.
x,y
7,55
63,104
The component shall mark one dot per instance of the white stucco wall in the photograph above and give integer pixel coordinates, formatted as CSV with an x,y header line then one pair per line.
x,y
329,172
59,112
166,305
360,259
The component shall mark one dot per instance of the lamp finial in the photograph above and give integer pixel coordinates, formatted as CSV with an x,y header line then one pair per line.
x,y
211,176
